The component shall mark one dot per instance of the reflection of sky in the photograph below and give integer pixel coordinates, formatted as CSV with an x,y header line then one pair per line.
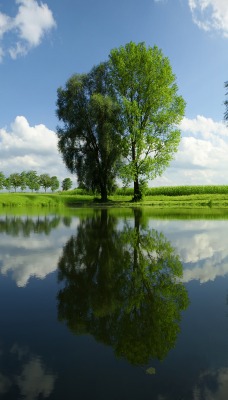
x,y
32,378
212,385
37,255
201,245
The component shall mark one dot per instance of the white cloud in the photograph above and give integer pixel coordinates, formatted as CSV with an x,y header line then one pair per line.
x,y
202,154
210,15
25,147
32,21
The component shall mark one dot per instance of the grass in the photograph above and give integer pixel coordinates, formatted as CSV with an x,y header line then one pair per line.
x,y
167,197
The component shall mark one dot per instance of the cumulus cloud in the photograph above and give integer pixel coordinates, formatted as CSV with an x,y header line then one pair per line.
x,y
202,154
27,29
25,147
210,15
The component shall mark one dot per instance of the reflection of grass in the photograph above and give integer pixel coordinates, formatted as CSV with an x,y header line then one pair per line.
x,y
191,201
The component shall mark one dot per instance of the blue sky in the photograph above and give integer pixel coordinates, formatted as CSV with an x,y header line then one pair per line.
x,y
43,43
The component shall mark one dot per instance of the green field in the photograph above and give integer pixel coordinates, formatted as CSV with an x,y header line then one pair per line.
x,y
166,197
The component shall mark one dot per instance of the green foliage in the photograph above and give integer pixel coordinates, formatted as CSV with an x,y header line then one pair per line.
x,y
45,181
2,179
54,183
89,138
187,190
151,109
32,180
67,184
15,181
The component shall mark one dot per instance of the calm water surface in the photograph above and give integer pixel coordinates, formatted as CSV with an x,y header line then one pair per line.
x,y
113,305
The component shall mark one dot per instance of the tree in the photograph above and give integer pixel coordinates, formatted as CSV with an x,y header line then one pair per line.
x,y
67,184
7,184
23,176
32,180
54,184
2,179
89,139
15,180
45,181
151,109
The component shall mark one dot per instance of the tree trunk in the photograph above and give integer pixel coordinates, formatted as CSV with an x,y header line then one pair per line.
x,y
104,194
137,193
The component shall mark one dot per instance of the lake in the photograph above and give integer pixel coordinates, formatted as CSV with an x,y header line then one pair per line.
x,y
113,304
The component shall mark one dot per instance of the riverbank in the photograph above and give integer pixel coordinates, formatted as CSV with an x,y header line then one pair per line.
x,y
76,200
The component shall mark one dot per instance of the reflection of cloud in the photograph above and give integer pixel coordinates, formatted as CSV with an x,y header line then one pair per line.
x,y
205,273
23,267
4,384
201,245
34,380
36,255
213,385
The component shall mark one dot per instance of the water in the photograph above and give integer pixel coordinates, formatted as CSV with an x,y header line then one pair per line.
x,y
116,304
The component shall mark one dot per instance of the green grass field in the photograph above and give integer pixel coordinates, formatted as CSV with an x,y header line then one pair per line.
x,y
167,197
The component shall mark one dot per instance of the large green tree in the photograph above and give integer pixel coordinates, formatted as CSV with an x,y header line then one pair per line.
x,y
89,138
151,109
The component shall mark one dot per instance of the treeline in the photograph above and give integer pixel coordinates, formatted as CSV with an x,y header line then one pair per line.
x,y
32,181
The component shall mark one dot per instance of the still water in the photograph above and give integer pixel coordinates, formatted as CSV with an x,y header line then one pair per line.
x,y
110,304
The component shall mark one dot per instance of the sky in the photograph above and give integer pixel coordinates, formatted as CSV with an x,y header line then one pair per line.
x,y
43,43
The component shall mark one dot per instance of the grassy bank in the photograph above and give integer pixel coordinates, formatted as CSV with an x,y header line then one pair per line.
x,y
189,197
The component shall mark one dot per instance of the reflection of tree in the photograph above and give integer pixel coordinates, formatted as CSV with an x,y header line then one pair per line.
x,y
122,287
14,226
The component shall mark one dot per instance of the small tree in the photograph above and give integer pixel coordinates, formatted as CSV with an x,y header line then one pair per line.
x,y
23,176
2,179
15,180
32,180
67,184
54,183
45,181
7,184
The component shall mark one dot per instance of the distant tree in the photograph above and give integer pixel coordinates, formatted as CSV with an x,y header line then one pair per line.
x,y
45,181
2,179
54,184
151,109
32,180
89,139
67,184
15,180
7,184
23,176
